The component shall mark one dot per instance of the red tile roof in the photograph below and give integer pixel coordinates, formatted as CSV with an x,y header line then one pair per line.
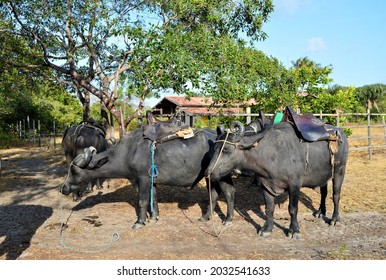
x,y
201,105
192,102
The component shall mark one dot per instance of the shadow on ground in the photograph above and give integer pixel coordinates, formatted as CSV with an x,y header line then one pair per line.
x,y
18,224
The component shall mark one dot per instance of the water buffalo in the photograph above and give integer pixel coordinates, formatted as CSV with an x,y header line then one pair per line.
x,y
177,162
283,162
80,137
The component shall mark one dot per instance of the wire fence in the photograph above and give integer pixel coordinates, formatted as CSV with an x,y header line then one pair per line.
x,y
31,132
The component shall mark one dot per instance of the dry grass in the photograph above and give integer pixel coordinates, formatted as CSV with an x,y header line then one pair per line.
x,y
365,184
378,132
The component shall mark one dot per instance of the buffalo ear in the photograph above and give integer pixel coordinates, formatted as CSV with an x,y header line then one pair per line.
x,y
149,117
220,129
94,164
250,141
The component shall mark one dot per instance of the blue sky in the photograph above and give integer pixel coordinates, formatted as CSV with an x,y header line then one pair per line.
x,y
349,35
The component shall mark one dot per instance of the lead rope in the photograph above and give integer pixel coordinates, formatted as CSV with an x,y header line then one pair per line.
x,y
153,175
216,233
63,225
219,155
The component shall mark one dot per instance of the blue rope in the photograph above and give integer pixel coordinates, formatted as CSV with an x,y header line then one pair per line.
x,y
153,174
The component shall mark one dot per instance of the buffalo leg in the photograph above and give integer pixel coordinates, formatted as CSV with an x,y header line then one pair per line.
x,y
269,210
154,215
214,192
143,197
337,182
322,207
98,184
226,186
293,211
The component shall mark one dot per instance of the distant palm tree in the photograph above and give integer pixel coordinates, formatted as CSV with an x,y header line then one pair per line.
x,y
370,95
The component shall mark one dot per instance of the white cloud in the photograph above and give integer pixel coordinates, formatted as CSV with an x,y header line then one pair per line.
x,y
316,44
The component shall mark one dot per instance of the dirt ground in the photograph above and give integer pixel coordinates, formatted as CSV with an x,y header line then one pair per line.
x,y
99,226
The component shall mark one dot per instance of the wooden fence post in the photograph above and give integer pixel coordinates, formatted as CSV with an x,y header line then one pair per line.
x,y
20,130
384,128
28,128
39,134
249,119
369,134
54,133
34,132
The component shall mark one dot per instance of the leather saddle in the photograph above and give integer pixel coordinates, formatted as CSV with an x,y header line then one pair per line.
x,y
162,131
309,127
88,124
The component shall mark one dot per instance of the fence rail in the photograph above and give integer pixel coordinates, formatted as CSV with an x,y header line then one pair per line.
x,y
366,132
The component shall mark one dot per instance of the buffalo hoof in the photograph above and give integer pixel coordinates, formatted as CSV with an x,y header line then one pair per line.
x,y
265,234
227,223
153,219
138,225
320,216
203,219
333,222
294,235
76,196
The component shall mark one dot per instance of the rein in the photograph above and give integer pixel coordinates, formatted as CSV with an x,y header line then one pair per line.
x,y
222,148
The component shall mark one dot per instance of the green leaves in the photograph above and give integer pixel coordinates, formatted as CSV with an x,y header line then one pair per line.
x,y
147,47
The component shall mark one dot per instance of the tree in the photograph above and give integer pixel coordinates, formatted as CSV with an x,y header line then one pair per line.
x,y
371,96
335,99
24,93
38,99
98,46
311,79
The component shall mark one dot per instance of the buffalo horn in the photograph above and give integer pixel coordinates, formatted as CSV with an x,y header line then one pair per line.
x,y
220,129
237,128
83,160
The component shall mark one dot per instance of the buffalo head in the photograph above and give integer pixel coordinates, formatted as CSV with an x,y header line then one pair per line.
x,y
156,129
76,180
229,146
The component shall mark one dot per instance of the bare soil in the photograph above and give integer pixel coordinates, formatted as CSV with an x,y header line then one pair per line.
x,y
32,213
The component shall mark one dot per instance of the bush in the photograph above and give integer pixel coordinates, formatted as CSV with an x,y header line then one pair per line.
x,y
7,140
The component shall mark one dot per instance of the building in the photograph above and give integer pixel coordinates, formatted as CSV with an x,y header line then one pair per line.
x,y
193,109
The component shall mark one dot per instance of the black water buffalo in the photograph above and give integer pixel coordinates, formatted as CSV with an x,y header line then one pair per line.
x,y
79,137
283,162
177,162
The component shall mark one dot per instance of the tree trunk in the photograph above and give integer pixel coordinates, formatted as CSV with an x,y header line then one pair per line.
x,y
86,106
